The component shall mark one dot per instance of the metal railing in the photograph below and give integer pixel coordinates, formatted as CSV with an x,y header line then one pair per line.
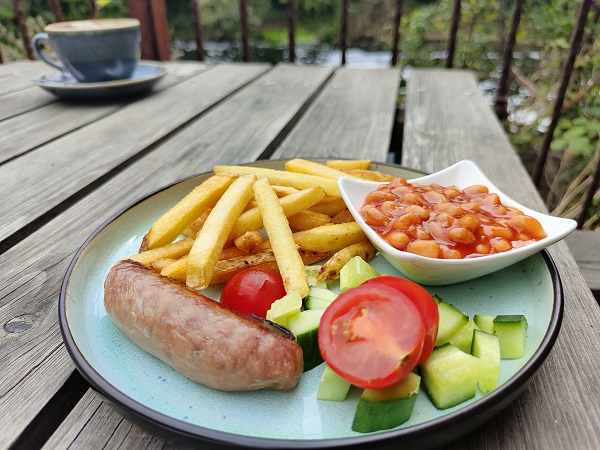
x,y
156,46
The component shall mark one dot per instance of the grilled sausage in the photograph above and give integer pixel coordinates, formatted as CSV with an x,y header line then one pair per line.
x,y
202,339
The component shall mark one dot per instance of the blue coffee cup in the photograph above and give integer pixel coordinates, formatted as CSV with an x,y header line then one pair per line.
x,y
92,50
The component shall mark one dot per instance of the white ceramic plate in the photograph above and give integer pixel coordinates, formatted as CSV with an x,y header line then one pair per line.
x,y
152,394
436,272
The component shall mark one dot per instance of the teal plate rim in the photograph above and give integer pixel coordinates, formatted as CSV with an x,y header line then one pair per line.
x,y
427,434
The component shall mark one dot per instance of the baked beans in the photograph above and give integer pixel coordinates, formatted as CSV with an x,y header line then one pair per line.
x,y
447,222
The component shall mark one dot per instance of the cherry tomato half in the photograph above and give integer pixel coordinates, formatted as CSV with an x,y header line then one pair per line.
x,y
371,336
424,303
252,291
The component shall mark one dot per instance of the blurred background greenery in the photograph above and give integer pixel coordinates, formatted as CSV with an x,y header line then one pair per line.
x,y
542,45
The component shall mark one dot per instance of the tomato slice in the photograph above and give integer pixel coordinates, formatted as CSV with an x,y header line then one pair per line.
x,y
424,303
252,291
371,336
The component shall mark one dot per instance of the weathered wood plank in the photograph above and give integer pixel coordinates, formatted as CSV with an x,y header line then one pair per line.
x,y
96,418
352,117
21,133
93,424
19,67
32,97
81,157
238,130
447,120
24,100
585,246
18,80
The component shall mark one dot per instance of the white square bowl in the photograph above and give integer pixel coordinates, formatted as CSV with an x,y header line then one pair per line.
x,y
436,272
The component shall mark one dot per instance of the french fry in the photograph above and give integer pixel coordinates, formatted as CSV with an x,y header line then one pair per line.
x,y
197,224
251,204
330,206
160,264
283,178
282,191
174,251
313,168
166,229
248,241
342,217
306,220
211,238
291,266
292,204
233,260
370,175
176,270
332,238
233,252
349,164
226,269
331,269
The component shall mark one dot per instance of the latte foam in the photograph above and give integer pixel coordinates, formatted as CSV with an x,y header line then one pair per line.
x,y
92,25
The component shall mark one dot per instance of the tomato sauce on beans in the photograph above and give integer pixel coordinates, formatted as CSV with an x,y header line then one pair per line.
x,y
447,222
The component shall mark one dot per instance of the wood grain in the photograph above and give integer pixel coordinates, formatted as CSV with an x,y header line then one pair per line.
x,y
22,133
351,118
29,189
24,100
447,120
21,78
585,247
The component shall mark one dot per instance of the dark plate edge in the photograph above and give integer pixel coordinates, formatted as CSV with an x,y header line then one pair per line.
x,y
446,428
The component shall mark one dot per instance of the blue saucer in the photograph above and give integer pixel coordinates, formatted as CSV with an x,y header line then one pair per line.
x,y
144,77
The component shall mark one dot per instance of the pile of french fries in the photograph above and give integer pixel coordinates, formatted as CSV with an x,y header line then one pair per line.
x,y
243,217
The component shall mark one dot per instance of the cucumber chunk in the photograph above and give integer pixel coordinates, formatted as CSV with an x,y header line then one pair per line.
x,y
451,320
332,387
382,409
284,308
463,339
487,348
450,376
512,333
485,323
355,272
305,327
319,298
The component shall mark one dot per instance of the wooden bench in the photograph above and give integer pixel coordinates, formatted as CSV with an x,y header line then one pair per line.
x,y
585,246
445,109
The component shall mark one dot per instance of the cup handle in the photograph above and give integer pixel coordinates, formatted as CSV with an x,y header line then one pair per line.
x,y
38,48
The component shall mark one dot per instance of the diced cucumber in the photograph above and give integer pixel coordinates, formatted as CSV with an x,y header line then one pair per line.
x,y
311,273
319,298
451,320
512,333
355,272
285,307
450,376
305,327
487,348
382,409
332,387
463,339
485,323
436,298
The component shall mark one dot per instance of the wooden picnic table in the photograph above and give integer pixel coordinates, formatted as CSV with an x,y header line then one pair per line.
x,y
65,167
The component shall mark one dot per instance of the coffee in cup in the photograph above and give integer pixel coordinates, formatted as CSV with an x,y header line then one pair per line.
x,y
92,50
